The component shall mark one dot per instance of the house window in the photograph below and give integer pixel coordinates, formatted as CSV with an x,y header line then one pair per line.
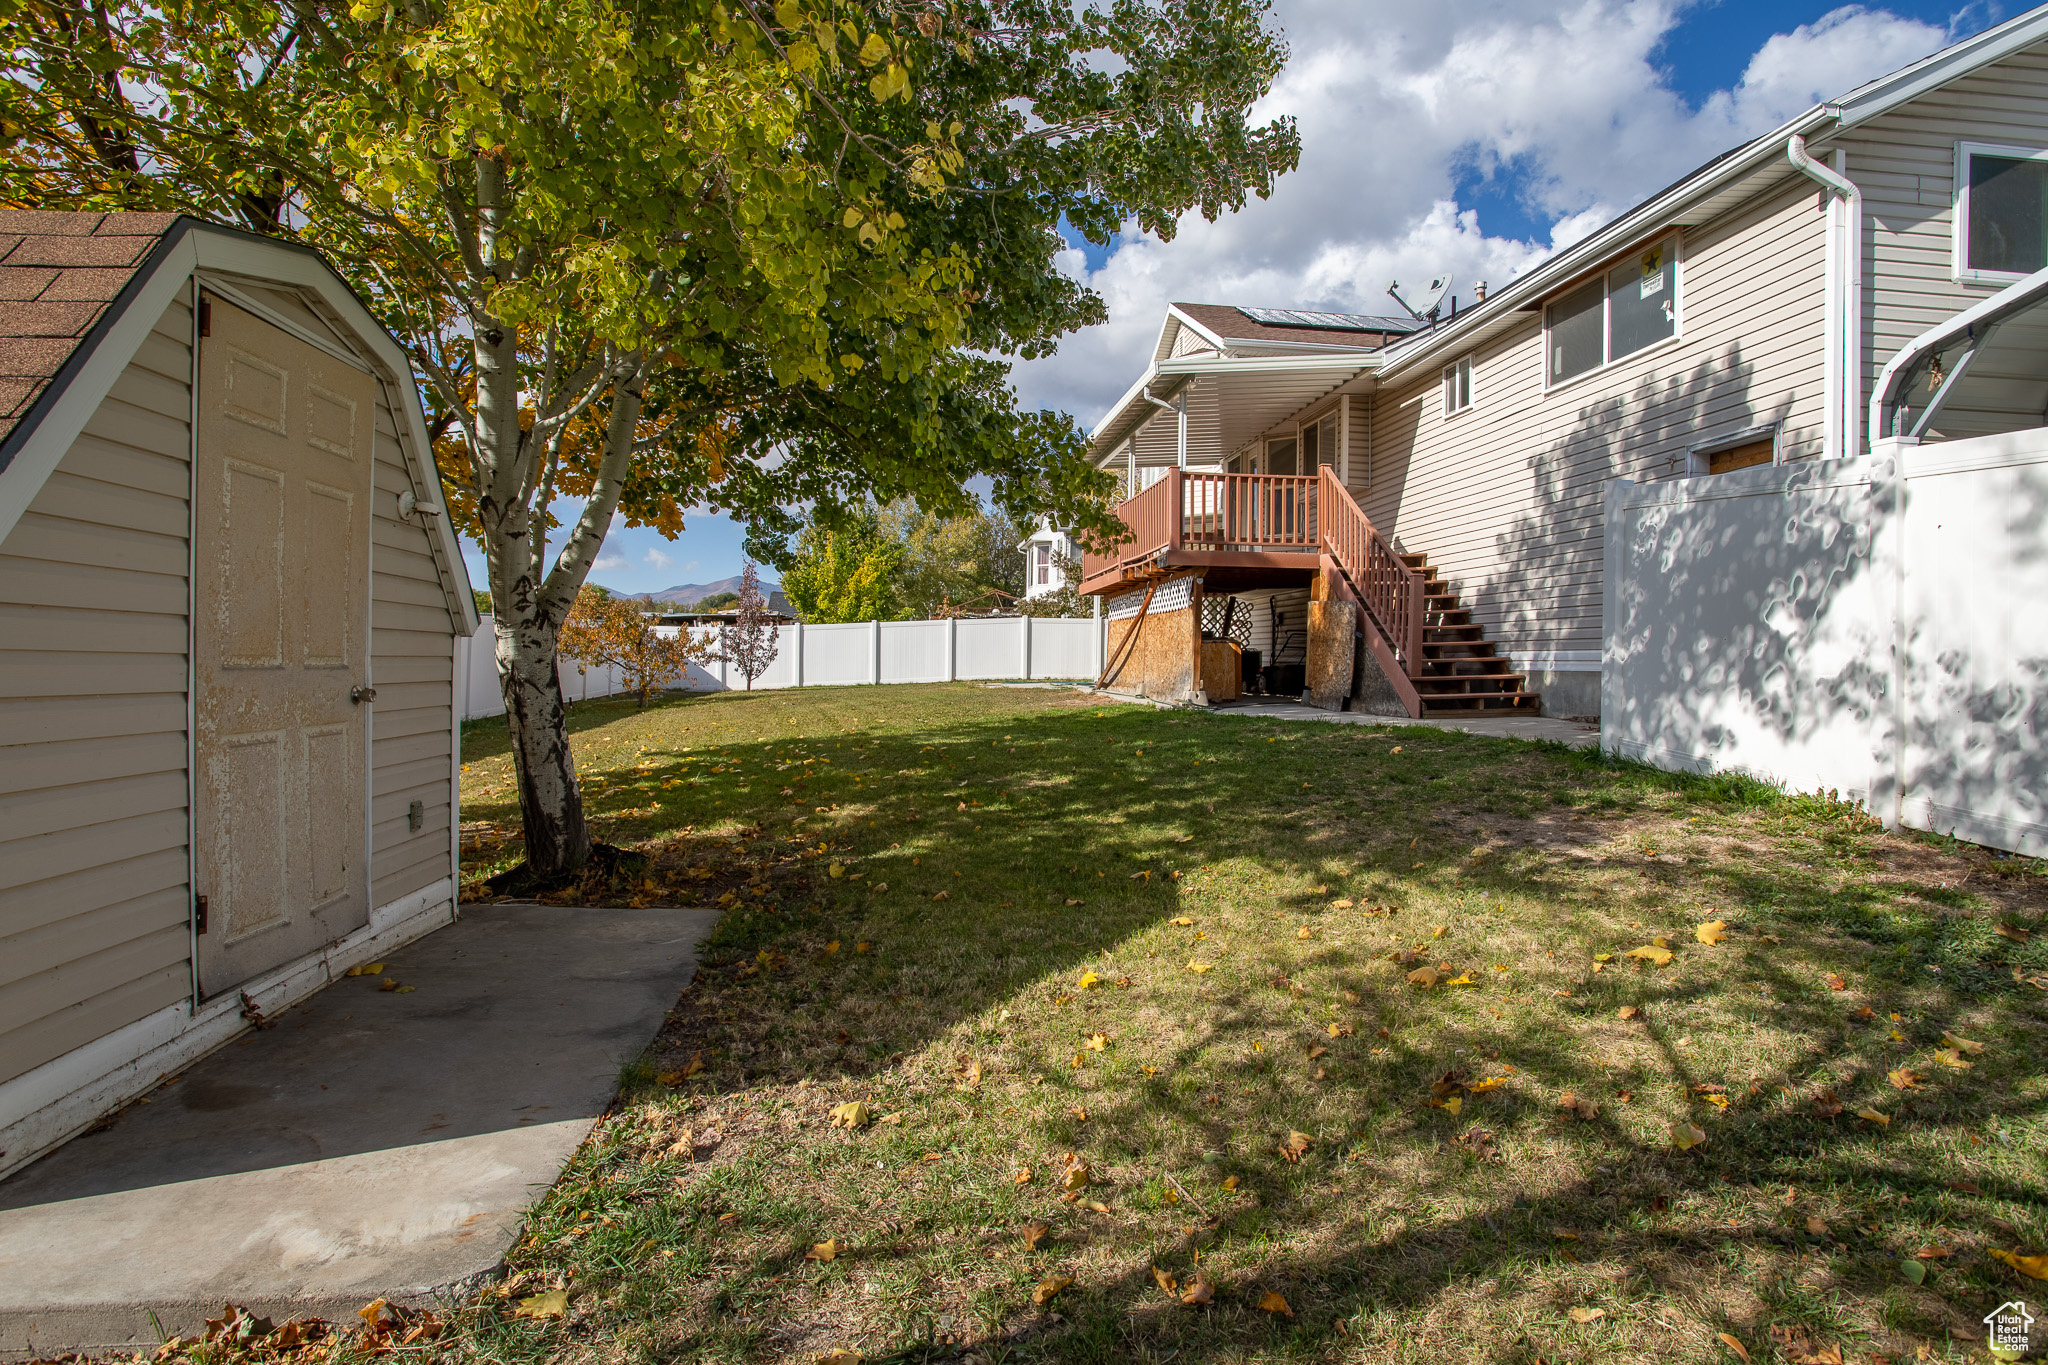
x,y
1319,442
2001,211
1632,307
1041,556
1280,457
1457,387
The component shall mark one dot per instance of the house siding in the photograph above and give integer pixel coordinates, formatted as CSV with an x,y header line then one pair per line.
x,y
1904,162
94,894
1505,497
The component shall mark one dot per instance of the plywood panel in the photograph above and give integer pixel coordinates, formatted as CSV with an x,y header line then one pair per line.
x,y
1161,661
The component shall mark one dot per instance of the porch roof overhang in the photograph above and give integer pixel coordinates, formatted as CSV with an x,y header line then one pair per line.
x,y
1997,377
1232,399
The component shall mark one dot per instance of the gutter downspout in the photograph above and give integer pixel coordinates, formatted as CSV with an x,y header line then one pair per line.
x,y
1842,429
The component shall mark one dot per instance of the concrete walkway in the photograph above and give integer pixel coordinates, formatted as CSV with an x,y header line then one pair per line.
x,y
374,1143
1577,734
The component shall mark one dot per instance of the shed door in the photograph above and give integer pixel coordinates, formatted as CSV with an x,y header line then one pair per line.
x,y
280,637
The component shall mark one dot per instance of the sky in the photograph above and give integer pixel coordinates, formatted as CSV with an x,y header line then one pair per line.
x,y
1462,137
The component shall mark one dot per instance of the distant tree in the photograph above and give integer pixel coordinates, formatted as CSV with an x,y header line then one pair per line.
x,y
845,570
483,601
605,630
749,643
952,560
719,601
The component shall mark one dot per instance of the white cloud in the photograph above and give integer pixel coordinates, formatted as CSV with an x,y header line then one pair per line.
x,y
656,559
608,561
1561,105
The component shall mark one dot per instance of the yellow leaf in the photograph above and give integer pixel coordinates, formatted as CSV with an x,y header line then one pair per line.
x,y
1183,921
1452,1104
1902,1079
1713,931
852,1114
1816,1226
1949,1056
836,871
2013,932
1096,1206
1873,1116
2033,1266
1719,1101
367,969
1035,1234
1490,1083
1165,1281
1076,1177
1685,1135
1273,1303
1603,957
1199,967
1732,1344
1962,1044
840,1355
827,1250
1229,1182
1050,1287
832,947
1089,981
1424,977
1344,904
1628,1011
1652,954
553,1304
1097,1041
1462,979
1305,932
1296,1146
895,1118
1200,1292
1024,1176
873,50
1440,931
1587,1314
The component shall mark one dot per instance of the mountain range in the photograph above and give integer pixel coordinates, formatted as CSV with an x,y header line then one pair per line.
x,y
692,593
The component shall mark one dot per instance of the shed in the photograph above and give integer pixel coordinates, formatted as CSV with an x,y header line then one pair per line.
x,y
230,604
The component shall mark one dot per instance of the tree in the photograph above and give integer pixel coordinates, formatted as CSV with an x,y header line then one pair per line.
x,y
677,252
950,560
844,571
750,642
719,601
602,630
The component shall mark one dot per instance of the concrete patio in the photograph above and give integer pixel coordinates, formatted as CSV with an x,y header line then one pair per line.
x,y
373,1143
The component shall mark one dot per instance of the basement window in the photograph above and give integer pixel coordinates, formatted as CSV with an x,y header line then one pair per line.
x,y
1629,309
2001,212
1458,386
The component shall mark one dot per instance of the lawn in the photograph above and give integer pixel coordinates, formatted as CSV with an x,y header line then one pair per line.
x,y
1041,1028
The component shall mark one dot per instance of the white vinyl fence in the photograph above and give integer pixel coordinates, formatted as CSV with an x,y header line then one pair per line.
x,y
864,652
1872,626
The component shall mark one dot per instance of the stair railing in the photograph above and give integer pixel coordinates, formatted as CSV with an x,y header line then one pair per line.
x,y
1389,593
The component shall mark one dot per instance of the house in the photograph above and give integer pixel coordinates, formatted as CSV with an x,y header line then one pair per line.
x,y
1416,513
1047,551
228,759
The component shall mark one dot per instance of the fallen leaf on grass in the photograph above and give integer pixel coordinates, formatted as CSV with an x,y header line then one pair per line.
x,y
1097,1041
2012,931
1587,1314
1728,1340
2036,1267
943,896
1585,1109
1816,1227
1076,1176
1273,1303
1902,1079
1200,967
1652,954
1826,1105
1023,1177
1424,977
1685,1135
1035,1234
1836,983
895,1118
1628,1011
1089,981
1050,1287
1338,1030
1183,921
1462,979
1950,1057
1296,1146
1200,1292
827,1250
1229,1182
1344,904
1490,1083
1479,1142
1935,1253
1316,1051
1962,1044
1450,1105
1166,1282
1713,931
840,1355
552,1304
853,1114
1798,1348
1718,1101
1873,1116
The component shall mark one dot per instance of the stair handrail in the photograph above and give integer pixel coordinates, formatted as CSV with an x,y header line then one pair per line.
x,y
1390,592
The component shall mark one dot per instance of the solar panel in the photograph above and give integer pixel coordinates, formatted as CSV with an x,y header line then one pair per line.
x,y
1329,322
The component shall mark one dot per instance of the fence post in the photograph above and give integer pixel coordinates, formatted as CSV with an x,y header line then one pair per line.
x,y
1024,647
952,649
875,652
1101,639
796,657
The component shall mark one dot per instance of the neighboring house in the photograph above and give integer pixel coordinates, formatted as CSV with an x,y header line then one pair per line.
x,y
1044,550
228,766
1438,491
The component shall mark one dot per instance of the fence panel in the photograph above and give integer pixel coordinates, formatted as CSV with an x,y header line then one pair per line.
x,y
1064,647
913,651
991,647
839,654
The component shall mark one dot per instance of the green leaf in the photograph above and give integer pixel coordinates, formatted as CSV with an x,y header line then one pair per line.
x,y
1916,1271
874,50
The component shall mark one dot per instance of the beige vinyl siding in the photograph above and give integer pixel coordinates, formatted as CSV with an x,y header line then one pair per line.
x,y
1904,162
412,661
1505,497
94,900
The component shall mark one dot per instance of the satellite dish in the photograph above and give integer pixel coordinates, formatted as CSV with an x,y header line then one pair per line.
x,y
1428,303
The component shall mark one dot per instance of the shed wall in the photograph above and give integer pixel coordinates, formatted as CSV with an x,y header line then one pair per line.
x,y
94,898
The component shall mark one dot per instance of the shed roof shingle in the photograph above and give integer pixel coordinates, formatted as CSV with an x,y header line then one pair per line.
x,y
59,273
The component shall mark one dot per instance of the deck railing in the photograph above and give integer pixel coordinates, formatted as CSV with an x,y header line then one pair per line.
x,y
1203,511
1388,590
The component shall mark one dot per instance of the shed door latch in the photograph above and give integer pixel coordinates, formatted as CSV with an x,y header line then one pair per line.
x,y
360,694
199,913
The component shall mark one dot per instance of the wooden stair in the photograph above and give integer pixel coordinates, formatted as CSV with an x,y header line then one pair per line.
x,y
1462,671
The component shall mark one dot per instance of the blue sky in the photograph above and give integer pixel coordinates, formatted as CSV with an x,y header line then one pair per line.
x,y
1462,137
